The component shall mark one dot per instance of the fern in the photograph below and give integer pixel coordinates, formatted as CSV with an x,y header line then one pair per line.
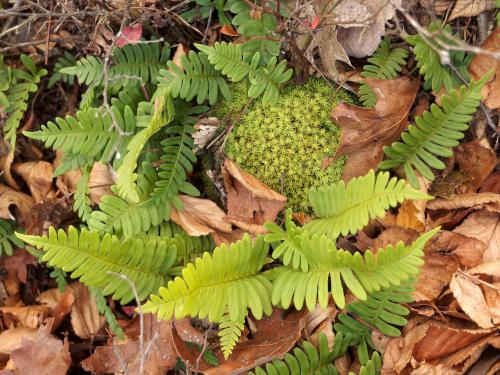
x,y
93,258
435,133
229,334
344,209
198,79
64,61
20,85
104,309
60,278
81,204
229,276
361,274
308,359
367,96
237,65
8,240
429,63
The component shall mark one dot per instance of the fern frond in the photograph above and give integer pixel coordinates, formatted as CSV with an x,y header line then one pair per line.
x,y
237,65
70,162
344,209
435,133
229,334
361,274
125,218
8,239
92,259
177,161
81,204
64,61
385,63
199,79
367,96
104,309
126,179
230,276
308,359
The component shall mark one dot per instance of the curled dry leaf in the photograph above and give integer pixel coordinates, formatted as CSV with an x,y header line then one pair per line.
x,y
459,8
250,203
476,160
60,304
10,339
21,201
38,177
484,226
482,63
67,181
445,254
488,201
28,316
100,181
200,217
5,167
471,299
365,131
85,318
227,29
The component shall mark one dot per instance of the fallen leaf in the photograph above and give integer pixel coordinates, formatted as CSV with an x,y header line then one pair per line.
x,y
411,213
10,339
476,160
41,354
227,29
447,187
492,297
392,236
160,358
489,201
443,255
365,131
85,318
16,264
200,217
38,177
471,299
21,201
28,316
100,181
486,268
227,238
129,35
430,369
459,8
484,226
205,130
250,203
6,164
67,181
491,184
60,304
482,63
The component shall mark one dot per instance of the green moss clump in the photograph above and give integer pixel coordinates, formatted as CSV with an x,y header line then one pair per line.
x,y
285,145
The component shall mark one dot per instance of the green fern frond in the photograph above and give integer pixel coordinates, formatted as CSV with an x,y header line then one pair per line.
x,y
81,204
329,266
344,209
308,359
385,63
237,65
435,133
21,84
8,239
126,179
64,61
92,259
198,79
104,309
367,96
428,55
70,162
230,276
229,334
59,276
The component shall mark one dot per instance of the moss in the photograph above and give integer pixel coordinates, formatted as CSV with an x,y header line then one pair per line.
x,y
284,146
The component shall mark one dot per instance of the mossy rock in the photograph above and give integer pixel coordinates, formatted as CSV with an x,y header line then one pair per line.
x,y
285,145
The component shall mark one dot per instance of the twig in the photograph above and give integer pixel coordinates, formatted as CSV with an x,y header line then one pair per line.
x,y
203,349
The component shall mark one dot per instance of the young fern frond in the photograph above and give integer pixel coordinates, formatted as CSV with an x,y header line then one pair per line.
x,y
362,274
435,133
344,209
104,309
96,260
426,50
81,204
64,61
367,96
308,359
238,65
229,334
8,239
198,79
230,276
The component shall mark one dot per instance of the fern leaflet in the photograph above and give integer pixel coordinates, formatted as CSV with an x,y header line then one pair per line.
x,y
81,204
8,239
229,334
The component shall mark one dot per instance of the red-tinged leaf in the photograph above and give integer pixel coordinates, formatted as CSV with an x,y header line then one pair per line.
x,y
314,23
129,35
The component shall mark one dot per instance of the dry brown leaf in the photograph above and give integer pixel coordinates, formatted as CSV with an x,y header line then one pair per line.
x,y
250,203
16,264
445,254
227,238
429,369
482,63
100,181
227,29
60,304
21,201
459,8
28,316
160,358
200,217
447,186
38,177
85,318
365,131
205,130
67,181
476,160
470,298
484,226
10,339
41,354
489,201
492,297
486,268
491,184
392,236
6,164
